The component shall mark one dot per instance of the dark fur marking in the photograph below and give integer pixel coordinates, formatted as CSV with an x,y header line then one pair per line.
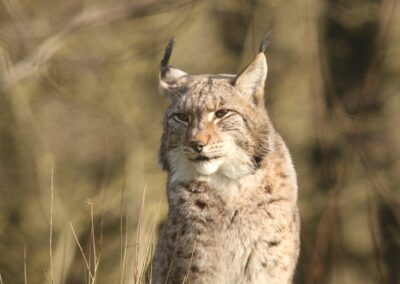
x,y
209,219
246,267
195,187
273,243
179,252
164,65
265,42
282,175
194,268
275,200
200,203
184,229
200,230
234,216
257,161
173,236
199,97
268,189
199,221
263,149
181,200
175,220
270,215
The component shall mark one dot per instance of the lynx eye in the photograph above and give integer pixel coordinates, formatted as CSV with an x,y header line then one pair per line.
x,y
181,117
221,113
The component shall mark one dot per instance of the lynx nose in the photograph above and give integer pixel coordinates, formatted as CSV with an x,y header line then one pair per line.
x,y
196,146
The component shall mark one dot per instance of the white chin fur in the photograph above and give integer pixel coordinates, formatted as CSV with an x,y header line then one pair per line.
x,y
234,165
207,168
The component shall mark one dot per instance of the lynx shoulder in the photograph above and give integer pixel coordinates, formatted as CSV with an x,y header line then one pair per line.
x,y
232,189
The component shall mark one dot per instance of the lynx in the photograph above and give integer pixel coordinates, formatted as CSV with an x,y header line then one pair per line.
x,y
232,188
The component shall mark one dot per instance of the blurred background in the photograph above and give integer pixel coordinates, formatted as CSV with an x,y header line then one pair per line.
x,y
81,193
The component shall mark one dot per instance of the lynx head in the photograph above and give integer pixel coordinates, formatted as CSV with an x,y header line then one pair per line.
x,y
216,124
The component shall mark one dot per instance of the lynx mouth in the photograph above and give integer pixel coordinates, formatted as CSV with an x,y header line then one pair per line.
x,y
204,158
206,165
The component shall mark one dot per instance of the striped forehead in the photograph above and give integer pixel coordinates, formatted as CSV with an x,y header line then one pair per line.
x,y
206,94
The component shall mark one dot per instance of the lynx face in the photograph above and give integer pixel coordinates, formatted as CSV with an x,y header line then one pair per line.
x,y
208,130
216,124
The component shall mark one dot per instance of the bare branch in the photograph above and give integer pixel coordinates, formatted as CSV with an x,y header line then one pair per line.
x,y
86,19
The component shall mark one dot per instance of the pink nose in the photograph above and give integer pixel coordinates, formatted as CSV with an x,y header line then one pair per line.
x,y
196,146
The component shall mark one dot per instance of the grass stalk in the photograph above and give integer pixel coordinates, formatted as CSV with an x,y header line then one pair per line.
x,y
25,270
83,254
136,264
51,223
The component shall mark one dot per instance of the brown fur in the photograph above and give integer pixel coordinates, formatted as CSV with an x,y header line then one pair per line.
x,y
233,214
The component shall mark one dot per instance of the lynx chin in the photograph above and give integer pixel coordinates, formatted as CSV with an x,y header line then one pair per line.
x,y
232,189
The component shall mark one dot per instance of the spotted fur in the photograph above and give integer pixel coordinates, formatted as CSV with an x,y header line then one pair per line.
x,y
232,189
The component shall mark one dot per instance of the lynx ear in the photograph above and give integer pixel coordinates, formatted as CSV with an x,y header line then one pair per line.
x,y
172,80
251,81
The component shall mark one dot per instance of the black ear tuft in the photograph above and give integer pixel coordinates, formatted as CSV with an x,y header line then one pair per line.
x,y
265,42
164,65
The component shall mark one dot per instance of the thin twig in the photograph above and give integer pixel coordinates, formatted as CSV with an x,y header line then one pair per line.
x,y
20,21
136,264
89,18
51,223
121,226
379,185
149,247
25,272
83,254
125,249
152,238
95,258
375,238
